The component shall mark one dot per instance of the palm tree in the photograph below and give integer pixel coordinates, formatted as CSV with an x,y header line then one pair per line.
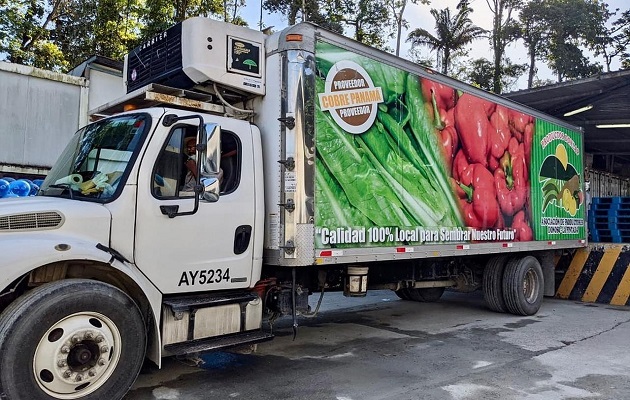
x,y
453,32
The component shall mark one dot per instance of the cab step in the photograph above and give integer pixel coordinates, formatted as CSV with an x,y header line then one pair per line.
x,y
185,303
217,343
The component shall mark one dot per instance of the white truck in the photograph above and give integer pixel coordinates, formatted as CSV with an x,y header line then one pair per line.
x,y
34,129
320,164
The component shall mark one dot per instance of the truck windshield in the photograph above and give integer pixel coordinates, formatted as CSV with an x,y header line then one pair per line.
x,y
97,159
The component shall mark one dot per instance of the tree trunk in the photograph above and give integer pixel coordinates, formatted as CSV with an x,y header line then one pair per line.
x,y
532,67
399,20
446,61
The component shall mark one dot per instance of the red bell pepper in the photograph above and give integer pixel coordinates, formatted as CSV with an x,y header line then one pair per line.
x,y
444,95
443,121
522,230
517,122
478,197
449,145
472,125
447,117
500,222
510,179
499,133
527,141
460,163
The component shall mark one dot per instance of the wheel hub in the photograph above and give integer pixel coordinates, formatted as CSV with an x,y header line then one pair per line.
x,y
77,355
530,287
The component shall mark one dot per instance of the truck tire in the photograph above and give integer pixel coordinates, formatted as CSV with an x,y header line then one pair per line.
x,y
492,284
523,285
426,295
71,339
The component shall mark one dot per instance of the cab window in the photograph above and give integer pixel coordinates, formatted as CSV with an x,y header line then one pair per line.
x,y
175,169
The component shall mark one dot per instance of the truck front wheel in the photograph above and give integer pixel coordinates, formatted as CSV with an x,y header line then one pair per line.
x,y
71,339
523,285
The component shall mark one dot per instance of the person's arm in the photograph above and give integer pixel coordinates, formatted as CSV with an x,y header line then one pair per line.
x,y
192,166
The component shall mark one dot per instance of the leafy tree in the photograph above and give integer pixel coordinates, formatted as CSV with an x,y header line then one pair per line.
x,y
367,19
453,33
582,22
504,31
534,32
230,12
25,33
614,40
104,27
160,15
569,62
415,55
323,13
397,12
558,30
291,9
481,73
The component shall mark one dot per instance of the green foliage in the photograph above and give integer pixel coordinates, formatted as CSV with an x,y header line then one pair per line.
x,y
396,9
60,34
453,33
364,19
557,31
504,31
24,33
614,39
481,73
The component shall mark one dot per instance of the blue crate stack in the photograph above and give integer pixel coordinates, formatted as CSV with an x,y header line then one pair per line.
x,y
609,220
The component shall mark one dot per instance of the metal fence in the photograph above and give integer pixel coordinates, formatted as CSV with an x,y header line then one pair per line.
x,y
604,184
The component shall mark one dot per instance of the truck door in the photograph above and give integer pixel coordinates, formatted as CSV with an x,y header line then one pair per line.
x,y
213,248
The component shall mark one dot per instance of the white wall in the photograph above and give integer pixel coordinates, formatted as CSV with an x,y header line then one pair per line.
x,y
39,112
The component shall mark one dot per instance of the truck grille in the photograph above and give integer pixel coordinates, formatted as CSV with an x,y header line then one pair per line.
x,y
156,59
41,220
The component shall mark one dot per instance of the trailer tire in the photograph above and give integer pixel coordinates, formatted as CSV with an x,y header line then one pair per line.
x,y
71,339
492,284
523,285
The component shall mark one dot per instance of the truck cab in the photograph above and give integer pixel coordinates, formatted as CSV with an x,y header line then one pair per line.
x,y
134,166
114,219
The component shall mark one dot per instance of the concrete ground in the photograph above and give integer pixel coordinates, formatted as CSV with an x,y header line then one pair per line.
x,y
380,347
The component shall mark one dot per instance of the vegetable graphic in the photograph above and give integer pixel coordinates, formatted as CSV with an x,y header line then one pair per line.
x,y
522,230
478,197
499,133
560,182
472,124
444,96
510,179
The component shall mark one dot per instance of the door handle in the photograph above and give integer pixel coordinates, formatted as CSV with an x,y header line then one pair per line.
x,y
171,211
242,235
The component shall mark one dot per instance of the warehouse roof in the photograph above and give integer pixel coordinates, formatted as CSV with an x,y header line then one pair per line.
x,y
605,101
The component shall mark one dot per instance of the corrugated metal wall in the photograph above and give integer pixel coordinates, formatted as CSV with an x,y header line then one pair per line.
x,y
39,112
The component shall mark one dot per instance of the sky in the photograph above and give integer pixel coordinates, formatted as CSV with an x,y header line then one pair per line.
x,y
419,16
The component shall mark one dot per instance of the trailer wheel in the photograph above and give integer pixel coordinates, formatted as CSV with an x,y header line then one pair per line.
x,y
426,295
71,339
493,284
523,285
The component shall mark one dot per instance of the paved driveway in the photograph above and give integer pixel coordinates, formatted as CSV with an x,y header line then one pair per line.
x,y
381,347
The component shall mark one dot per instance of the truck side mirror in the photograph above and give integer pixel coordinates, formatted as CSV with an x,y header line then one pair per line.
x,y
210,159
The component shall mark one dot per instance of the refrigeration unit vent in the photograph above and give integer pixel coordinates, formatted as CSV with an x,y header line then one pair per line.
x,y
159,60
200,51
